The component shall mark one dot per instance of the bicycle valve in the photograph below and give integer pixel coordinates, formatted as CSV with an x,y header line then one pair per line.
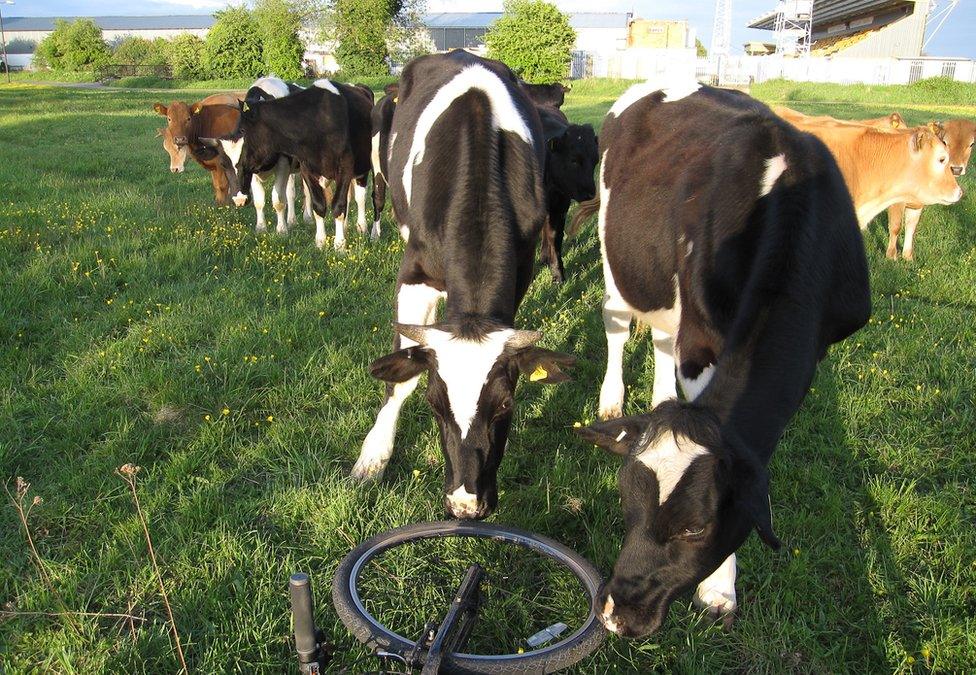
x,y
300,589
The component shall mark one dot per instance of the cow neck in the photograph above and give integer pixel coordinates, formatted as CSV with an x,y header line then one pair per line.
x,y
874,191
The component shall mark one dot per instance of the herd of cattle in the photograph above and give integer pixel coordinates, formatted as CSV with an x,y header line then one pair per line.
x,y
728,228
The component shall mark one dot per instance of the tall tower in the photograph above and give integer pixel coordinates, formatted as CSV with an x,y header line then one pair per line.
x,y
721,29
794,27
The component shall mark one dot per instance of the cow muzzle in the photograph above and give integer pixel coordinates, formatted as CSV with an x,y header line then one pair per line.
x,y
463,504
958,170
180,140
176,169
240,199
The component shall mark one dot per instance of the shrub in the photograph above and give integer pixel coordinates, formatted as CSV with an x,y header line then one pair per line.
x,y
281,48
186,56
233,46
360,29
142,52
74,46
534,38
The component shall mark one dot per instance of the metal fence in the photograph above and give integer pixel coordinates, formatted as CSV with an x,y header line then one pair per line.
x,y
134,70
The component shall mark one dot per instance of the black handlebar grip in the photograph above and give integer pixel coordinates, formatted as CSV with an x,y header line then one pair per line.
x,y
300,588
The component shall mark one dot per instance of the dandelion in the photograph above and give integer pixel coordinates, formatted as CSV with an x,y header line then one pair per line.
x,y
206,418
270,418
577,425
225,411
416,473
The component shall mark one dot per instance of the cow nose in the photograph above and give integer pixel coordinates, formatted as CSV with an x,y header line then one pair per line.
x,y
463,504
176,169
180,140
957,170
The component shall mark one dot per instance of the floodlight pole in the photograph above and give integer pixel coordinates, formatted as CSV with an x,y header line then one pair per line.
x,y
3,41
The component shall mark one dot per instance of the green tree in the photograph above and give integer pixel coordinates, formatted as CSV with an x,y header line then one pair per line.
x,y
186,56
233,46
534,39
73,46
142,52
360,28
279,23
700,49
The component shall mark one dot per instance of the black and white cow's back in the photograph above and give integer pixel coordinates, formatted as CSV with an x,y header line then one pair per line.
x,y
465,174
733,236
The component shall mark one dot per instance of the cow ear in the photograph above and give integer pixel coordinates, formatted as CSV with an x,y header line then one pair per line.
x,y
160,109
551,144
401,365
754,496
210,142
542,365
195,108
619,436
159,132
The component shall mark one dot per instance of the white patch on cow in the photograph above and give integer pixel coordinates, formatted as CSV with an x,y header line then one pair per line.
x,y
775,166
462,503
673,91
339,243
240,199
319,230
374,156
233,151
689,248
405,233
717,592
464,366
326,84
504,114
607,615
273,86
375,232
665,385
694,386
617,315
359,194
669,457
416,304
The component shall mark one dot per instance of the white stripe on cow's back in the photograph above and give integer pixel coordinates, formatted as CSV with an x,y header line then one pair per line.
x,y
273,86
504,114
464,366
673,91
327,84
775,166
669,457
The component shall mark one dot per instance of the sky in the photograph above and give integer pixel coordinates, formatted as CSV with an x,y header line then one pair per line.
x,y
954,39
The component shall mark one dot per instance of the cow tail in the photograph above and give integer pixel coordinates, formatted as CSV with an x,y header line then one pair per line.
x,y
585,211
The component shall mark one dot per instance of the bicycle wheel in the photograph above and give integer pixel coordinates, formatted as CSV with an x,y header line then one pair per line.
x,y
361,622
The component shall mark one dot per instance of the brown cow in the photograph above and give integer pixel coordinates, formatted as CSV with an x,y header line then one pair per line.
x,y
883,167
176,135
958,136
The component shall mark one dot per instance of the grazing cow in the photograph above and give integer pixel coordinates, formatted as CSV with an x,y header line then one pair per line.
x,y
733,236
467,155
887,166
550,95
892,121
176,141
958,136
571,158
381,122
324,129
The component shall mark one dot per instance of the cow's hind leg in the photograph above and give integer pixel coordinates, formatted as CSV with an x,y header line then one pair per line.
x,y
379,199
717,592
279,194
617,315
320,205
339,205
258,193
416,304
665,383
896,214
307,214
359,190
290,200
912,217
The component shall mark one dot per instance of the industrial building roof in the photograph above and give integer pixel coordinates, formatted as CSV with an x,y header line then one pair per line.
x,y
163,22
827,11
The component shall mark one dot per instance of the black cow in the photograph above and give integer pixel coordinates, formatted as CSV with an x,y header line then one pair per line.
x,y
552,95
571,158
381,122
325,128
466,158
733,235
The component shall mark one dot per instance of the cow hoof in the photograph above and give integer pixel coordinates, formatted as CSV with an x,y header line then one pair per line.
x,y
361,228
282,231
718,605
891,255
320,243
375,233
293,221
908,255
339,245
260,228
611,412
557,278
367,470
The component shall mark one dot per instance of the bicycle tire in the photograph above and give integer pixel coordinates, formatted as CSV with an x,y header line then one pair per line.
x,y
371,632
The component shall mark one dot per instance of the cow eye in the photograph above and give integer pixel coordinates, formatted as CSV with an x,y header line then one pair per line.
x,y
942,160
690,533
503,408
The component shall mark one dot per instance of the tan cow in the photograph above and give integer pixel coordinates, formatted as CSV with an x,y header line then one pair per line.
x,y
892,121
958,136
883,167
176,134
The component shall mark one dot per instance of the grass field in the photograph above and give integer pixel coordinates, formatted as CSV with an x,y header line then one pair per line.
x,y
142,324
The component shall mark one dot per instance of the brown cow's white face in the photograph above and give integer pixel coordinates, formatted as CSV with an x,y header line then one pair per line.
x,y
935,182
177,153
959,136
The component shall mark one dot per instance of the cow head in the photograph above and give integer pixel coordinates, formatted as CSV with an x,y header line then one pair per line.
x,y
573,157
471,389
690,498
935,181
958,136
177,153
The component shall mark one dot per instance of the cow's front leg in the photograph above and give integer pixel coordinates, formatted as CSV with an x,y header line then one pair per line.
x,y
279,193
307,214
912,217
665,384
339,205
290,199
320,207
359,190
616,322
896,213
717,593
416,304
258,193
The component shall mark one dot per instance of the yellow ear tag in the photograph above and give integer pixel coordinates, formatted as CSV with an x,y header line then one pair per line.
x,y
196,109
538,374
396,99
245,107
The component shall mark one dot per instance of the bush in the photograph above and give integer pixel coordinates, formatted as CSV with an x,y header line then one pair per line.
x,y
75,46
142,52
534,39
233,46
186,56
281,48
360,29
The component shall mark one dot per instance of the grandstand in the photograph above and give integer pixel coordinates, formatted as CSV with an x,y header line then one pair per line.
x,y
863,28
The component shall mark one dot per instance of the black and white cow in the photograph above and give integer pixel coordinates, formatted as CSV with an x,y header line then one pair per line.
x,y
466,154
325,129
571,158
551,95
733,236
381,123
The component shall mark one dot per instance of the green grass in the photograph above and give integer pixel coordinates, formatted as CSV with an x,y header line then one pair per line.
x,y
933,91
140,323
